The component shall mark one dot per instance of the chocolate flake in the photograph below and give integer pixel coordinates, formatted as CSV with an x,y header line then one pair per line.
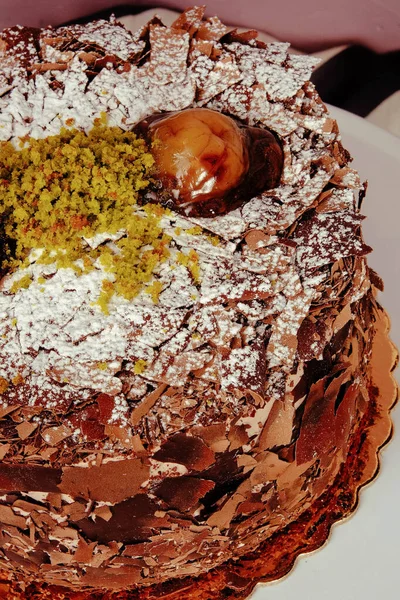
x,y
183,493
186,450
111,482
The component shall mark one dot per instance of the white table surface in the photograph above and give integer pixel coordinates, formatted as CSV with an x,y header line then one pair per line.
x,y
361,561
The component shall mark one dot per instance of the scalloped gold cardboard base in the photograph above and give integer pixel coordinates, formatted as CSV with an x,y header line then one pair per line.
x,y
277,555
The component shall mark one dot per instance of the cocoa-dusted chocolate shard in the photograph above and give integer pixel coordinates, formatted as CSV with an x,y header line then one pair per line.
x,y
21,43
190,20
147,441
324,238
244,369
313,335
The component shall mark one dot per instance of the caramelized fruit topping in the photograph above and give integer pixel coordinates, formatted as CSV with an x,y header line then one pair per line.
x,y
200,153
209,163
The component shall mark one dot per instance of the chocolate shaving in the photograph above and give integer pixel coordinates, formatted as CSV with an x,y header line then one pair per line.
x,y
111,482
375,279
245,369
4,448
318,431
54,435
146,404
133,520
29,478
8,517
43,67
183,493
214,77
84,552
213,435
26,429
347,177
186,450
278,430
222,518
104,512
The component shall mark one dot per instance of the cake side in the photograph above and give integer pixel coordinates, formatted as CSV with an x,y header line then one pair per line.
x,y
199,424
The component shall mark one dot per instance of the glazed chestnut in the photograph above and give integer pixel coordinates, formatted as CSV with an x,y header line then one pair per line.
x,y
209,163
200,153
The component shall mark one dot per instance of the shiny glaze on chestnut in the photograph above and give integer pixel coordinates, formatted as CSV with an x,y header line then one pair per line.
x,y
225,164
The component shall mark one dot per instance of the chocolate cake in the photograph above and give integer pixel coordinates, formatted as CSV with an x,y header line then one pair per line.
x,y
186,311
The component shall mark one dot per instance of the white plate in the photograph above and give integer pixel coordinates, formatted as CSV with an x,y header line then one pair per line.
x,y
361,559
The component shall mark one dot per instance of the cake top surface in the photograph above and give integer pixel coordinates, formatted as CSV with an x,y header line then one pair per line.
x,y
222,312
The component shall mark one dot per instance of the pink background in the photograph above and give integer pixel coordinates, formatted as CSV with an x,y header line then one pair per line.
x,y
308,24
